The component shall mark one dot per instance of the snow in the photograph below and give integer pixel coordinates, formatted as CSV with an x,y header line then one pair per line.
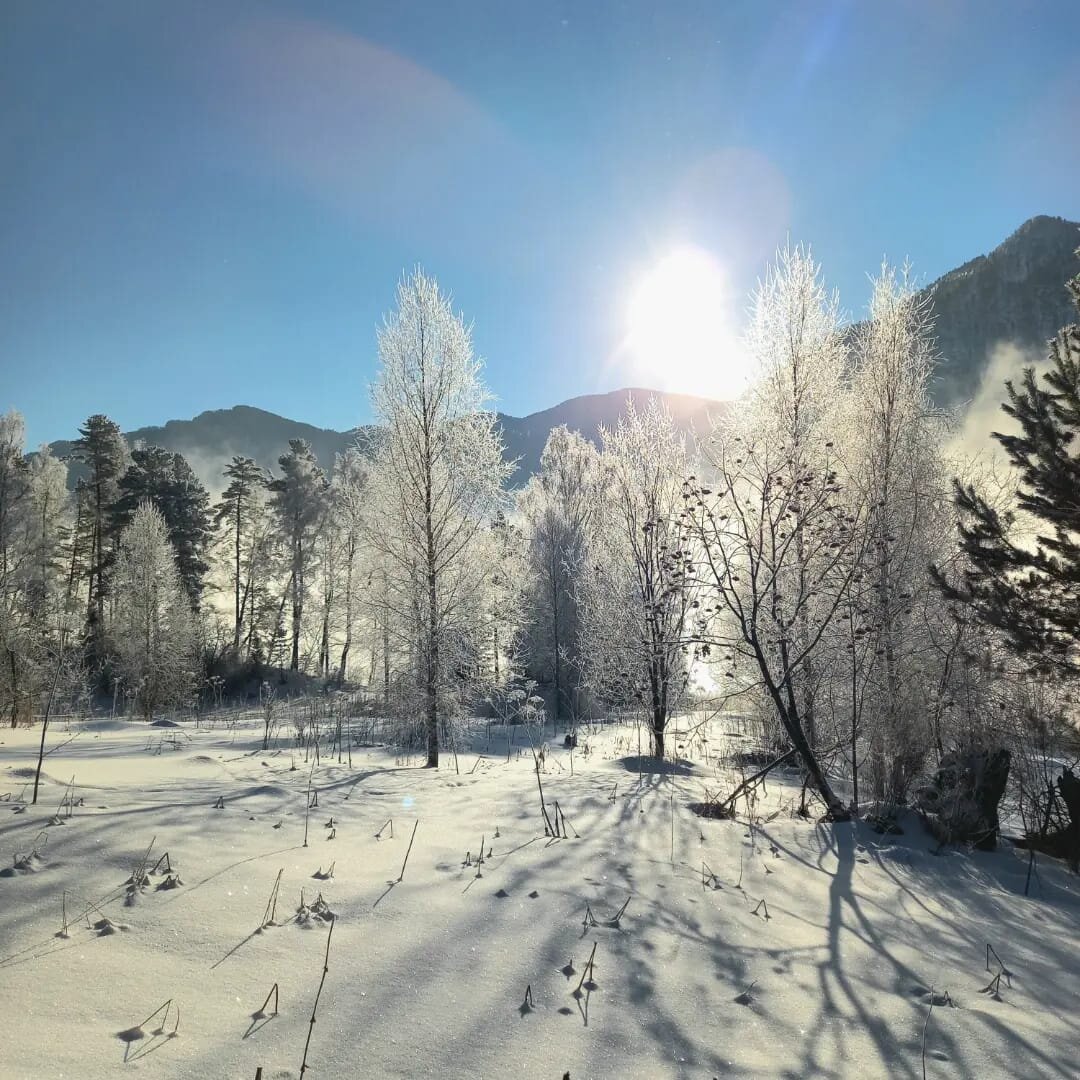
x,y
428,975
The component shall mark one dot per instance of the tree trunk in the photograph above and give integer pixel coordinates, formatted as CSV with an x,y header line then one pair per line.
x,y
348,612
432,673
835,810
297,608
658,738
555,641
236,583
1069,788
14,688
386,662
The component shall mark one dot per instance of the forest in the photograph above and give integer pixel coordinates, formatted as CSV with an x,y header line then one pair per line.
x,y
823,558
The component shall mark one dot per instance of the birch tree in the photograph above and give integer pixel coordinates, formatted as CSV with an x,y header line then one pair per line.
x,y
892,444
438,465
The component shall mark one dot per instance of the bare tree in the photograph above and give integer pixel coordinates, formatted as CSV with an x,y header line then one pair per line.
x,y
777,546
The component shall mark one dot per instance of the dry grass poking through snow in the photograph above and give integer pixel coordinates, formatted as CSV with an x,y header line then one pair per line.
x,y
174,924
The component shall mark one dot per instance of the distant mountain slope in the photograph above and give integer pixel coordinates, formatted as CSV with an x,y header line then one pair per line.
x,y
525,436
1015,294
212,438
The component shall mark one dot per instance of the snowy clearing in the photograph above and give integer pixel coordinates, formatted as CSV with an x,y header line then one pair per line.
x,y
820,963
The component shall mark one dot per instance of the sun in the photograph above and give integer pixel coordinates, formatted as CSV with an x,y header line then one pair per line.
x,y
680,337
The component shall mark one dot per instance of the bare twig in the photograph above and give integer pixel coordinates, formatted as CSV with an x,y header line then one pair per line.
x,y
926,1024
271,904
318,994
587,970
273,994
45,719
401,876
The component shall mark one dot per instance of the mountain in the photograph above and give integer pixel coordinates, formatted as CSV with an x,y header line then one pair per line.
x,y
1016,295
525,436
212,438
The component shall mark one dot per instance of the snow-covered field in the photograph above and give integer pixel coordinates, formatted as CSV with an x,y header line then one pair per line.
x,y
829,977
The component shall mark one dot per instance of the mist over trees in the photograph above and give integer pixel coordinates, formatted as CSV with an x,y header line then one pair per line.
x,y
807,561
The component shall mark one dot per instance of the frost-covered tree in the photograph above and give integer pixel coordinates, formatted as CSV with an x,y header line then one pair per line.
x,y
153,634
778,547
15,636
635,597
892,445
48,532
298,501
558,506
438,473
34,533
349,502
796,348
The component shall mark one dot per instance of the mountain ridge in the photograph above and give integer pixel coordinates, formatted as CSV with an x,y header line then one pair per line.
x,y
211,438
1015,294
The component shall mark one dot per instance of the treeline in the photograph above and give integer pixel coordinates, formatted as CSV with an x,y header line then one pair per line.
x,y
817,557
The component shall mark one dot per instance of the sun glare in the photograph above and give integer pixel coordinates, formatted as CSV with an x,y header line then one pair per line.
x,y
680,337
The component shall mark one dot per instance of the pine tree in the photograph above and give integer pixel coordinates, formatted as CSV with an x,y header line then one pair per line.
x,y
298,499
1029,589
237,508
167,481
101,448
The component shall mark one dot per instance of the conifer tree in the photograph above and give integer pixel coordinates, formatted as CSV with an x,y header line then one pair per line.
x,y
167,481
298,499
101,448
1028,587
237,508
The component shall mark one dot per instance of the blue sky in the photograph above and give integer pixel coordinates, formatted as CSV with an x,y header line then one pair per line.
x,y
207,203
